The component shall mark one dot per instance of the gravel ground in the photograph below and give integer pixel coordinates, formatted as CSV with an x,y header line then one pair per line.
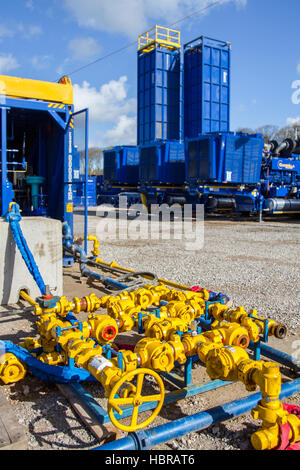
x,y
257,265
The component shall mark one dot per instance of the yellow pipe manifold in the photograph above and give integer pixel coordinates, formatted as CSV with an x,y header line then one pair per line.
x,y
222,349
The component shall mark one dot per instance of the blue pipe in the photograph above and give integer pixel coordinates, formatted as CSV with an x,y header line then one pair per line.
x,y
279,356
84,269
146,439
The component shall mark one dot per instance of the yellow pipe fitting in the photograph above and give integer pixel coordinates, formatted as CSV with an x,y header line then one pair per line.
x,y
130,361
90,238
114,308
181,310
27,298
155,355
47,324
150,319
72,334
218,311
105,372
144,298
198,307
92,303
163,329
11,369
190,343
63,307
233,334
83,351
222,363
127,320
268,438
255,324
54,358
204,349
268,378
30,343
178,349
95,251
103,328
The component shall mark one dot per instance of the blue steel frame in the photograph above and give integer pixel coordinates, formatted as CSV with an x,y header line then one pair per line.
x,y
86,172
63,115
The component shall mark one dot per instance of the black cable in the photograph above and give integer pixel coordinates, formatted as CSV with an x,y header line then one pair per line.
x,y
218,2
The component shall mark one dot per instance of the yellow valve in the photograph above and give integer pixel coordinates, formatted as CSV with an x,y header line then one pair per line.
x,y
222,363
127,320
233,334
254,324
63,307
135,399
53,359
11,369
269,437
30,344
130,360
103,328
164,329
178,349
47,325
72,334
115,306
181,310
151,318
83,351
155,355
144,298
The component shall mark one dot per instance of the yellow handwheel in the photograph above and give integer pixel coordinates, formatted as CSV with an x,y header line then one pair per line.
x,y
135,399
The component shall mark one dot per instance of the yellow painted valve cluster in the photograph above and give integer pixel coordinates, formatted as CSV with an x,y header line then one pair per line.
x,y
169,338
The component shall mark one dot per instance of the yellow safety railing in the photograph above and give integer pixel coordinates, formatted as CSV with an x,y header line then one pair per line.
x,y
159,35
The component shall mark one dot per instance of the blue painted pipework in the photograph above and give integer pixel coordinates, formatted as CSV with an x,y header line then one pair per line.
x,y
146,439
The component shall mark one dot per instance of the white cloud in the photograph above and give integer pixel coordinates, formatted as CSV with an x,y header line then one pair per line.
x,y
293,120
83,48
29,4
107,103
41,62
123,133
6,32
133,17
33,31
7,63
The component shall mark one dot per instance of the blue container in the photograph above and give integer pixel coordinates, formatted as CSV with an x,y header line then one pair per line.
x,y
224,158
159,95
162,162
206,87
121,165
78,192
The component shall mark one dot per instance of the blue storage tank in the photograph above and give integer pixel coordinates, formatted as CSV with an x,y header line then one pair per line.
x,y
159,95
162,162
121,165
206,87
224,158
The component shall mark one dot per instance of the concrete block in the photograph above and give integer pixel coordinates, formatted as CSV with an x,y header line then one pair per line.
x,y
44,239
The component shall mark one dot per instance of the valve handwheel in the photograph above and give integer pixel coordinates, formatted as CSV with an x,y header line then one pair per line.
x,y
135,399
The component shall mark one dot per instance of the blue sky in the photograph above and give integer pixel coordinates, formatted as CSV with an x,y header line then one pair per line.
x,y
43,39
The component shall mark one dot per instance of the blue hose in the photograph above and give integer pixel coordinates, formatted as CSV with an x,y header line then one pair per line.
x,y
14,217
